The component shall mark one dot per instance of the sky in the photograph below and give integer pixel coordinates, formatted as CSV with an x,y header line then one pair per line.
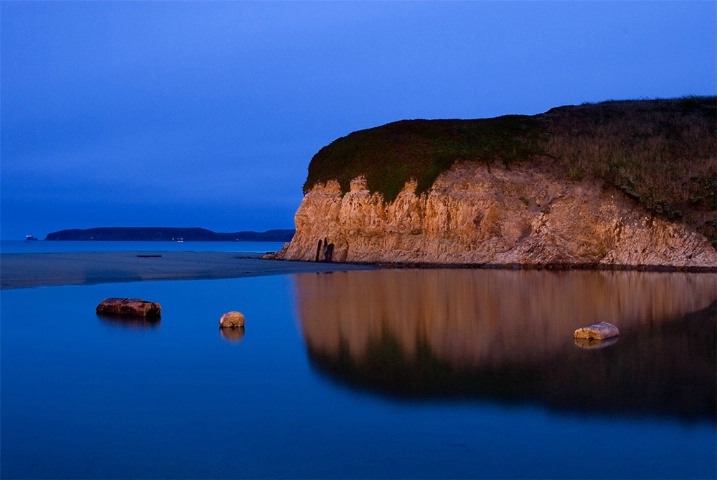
x,y
207,113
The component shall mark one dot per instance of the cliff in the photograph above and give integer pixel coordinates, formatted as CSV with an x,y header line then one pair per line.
x,y
484,202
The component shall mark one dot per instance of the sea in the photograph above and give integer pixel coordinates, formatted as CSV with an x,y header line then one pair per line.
x,y
58,246
388,373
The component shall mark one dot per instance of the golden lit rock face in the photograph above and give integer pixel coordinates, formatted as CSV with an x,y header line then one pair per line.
x,y
476,214
470,318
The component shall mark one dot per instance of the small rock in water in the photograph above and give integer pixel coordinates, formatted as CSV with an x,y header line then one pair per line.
x,y
131,307
231,320
597,331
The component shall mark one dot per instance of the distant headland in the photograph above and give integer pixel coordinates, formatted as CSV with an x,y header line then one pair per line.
x,y
168,234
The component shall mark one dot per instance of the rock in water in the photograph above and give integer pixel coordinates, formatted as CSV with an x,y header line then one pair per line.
x,y
598,331
231,320
132,307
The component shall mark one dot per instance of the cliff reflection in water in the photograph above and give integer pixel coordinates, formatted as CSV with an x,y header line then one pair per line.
x,y
508,335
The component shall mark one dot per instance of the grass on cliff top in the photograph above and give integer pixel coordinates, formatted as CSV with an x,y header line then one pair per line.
x,y
662,153
390,155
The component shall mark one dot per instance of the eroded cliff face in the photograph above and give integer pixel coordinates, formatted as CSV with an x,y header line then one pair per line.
x,y
476,214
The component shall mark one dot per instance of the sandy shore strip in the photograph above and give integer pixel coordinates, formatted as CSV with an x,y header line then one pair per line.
x,y
26,270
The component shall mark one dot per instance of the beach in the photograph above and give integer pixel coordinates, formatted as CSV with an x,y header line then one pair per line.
x,y
83,268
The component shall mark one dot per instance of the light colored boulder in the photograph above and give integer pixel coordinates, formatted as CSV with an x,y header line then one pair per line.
x,y
131,307
597,331
232,320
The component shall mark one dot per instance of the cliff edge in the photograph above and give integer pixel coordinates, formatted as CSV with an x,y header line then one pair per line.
x,y
521,190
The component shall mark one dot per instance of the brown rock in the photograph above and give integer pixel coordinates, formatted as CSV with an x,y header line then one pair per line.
x,y
597,331
132,307
232,320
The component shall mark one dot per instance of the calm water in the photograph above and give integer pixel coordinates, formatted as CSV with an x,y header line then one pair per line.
x,y
42,246
411,374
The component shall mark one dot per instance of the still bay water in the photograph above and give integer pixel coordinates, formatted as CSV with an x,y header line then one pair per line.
x,y
59,246
368,374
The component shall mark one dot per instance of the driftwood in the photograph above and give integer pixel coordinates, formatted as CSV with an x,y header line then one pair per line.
x,y
131,307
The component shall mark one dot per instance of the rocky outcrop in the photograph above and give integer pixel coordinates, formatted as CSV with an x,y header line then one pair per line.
x,y
129,307
232,320
597,331
490,215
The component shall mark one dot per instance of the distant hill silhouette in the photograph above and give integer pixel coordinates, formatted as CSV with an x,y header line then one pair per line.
x,y
168,234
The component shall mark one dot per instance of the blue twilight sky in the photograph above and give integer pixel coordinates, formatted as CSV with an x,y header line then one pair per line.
x,y
180,113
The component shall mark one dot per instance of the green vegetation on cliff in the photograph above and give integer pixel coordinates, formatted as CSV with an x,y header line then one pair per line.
x,y
662,153
390,155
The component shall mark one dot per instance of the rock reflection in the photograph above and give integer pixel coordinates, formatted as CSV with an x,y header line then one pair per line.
x,y
594,343
132,323
510,334
232,335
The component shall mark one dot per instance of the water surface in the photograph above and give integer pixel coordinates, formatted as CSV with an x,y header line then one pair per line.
x,y
410,374
59,246
507,335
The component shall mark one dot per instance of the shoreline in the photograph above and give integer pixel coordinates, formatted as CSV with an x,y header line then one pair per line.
x,y
558,267
29,270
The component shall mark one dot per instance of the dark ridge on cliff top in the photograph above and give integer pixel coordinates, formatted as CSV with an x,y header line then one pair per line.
x,y
662,153
168,234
